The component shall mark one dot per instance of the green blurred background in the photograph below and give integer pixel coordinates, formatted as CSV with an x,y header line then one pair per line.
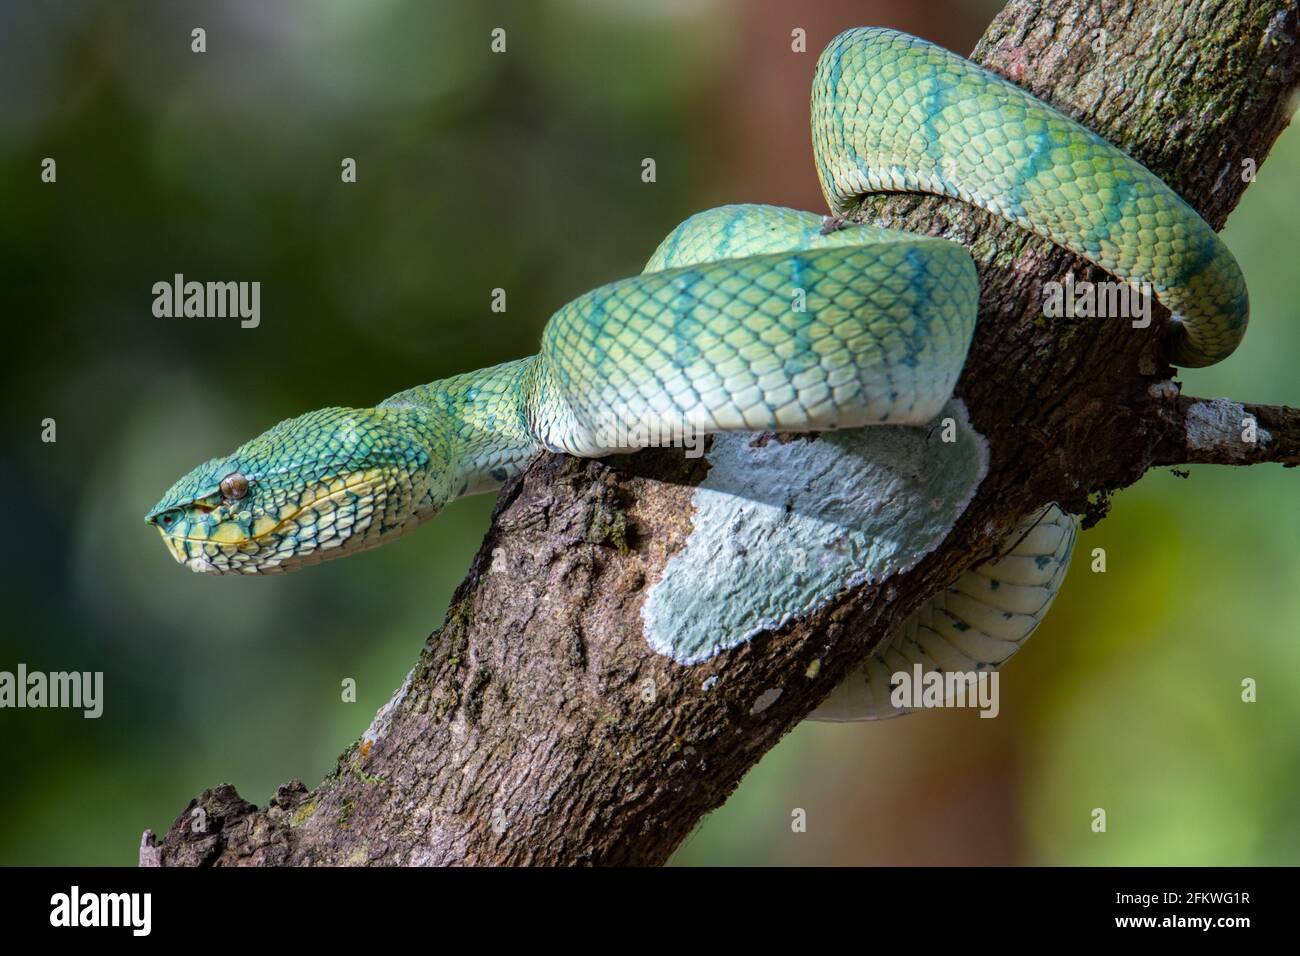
x,y
522,171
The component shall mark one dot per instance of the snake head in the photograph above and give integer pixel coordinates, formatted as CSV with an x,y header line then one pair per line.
x,y
332,482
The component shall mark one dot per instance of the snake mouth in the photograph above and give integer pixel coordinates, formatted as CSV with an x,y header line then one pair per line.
x,y
233,535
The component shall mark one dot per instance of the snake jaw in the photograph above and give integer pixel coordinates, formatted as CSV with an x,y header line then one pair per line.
x,y
327,519
328,483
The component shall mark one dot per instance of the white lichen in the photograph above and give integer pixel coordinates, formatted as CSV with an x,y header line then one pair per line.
x,y
780,526
378,728
765,700
1217,424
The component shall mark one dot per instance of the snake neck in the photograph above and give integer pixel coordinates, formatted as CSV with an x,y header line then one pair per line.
x,y
475,427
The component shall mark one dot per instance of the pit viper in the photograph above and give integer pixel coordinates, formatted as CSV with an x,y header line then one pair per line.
x,y
755,318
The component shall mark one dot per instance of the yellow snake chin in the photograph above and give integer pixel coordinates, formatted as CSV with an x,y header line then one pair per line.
x,y
295,528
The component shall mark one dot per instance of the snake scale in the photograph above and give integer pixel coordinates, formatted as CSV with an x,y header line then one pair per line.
x,y
708,337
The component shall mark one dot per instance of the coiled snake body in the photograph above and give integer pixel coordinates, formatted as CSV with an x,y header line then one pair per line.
x,y
753,318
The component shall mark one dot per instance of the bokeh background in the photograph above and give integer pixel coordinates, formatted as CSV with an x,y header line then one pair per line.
x,y
522,171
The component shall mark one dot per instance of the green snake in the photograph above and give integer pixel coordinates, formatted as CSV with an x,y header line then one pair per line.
x,y
754,318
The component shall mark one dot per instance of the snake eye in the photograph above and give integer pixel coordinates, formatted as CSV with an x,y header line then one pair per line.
x,y
234,486
168,518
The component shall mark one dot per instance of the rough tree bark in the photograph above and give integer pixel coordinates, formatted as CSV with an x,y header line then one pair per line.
x,y
522,734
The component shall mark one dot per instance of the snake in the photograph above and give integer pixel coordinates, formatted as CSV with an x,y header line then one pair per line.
x,y
761,319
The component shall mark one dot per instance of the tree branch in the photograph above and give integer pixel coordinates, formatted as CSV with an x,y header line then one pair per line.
x,y
525,733
1219,431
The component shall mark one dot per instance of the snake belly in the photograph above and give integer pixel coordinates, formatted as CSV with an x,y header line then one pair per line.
x,y
755,318
974,625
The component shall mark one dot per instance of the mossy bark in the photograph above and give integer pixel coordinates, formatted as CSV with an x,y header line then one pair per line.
x,y
538,726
